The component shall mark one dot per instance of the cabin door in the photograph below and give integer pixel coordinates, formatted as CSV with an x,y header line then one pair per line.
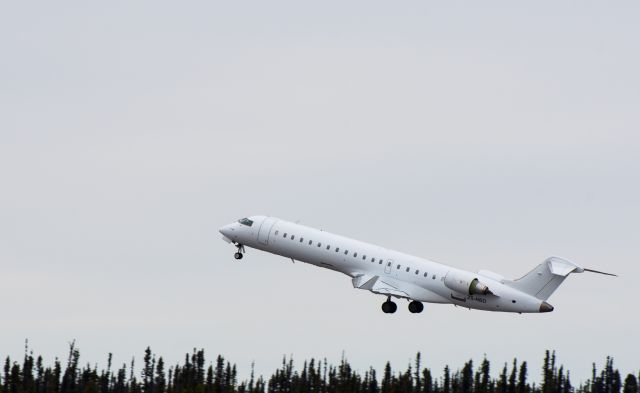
x,y
387,267
265,230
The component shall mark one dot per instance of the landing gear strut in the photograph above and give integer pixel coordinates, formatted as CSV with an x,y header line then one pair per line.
x,y
415,307
240,252
389,307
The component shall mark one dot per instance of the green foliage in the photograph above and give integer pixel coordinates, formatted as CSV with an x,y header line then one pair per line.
x,y
195,376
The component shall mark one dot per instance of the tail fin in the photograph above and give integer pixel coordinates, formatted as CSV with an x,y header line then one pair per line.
x,y
542,281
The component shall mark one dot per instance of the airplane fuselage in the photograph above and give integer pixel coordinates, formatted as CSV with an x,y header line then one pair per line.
x,y
381,270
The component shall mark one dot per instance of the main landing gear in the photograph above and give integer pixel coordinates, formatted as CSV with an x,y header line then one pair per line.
x,y
415,307
240,252
389,307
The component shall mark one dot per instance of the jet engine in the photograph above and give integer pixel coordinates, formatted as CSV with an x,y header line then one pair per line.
x,y
465,282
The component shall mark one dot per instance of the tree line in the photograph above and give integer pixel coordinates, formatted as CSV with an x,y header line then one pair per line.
x,y
196,375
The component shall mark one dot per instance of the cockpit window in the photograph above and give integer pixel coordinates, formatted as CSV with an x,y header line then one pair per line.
x,y
245,221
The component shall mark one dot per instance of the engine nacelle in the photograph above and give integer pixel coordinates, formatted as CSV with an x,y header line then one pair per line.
x,y
465,282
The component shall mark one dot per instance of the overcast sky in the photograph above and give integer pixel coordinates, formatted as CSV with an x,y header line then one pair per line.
x,y
485,135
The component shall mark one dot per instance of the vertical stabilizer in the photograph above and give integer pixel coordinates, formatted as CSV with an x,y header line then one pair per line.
x,y
542,281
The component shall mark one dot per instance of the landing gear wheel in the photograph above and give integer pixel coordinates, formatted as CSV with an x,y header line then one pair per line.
x,y
389,307
240,252
415,307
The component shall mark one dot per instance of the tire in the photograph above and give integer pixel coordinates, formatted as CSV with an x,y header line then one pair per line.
x,y
389,307
416,307
237,255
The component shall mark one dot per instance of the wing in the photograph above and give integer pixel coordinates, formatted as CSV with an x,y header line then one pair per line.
x,y
390,287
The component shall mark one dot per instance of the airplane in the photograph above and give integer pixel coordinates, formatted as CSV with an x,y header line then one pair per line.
x,y
397,275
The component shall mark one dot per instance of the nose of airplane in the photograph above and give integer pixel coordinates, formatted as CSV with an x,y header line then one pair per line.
x,y
227,230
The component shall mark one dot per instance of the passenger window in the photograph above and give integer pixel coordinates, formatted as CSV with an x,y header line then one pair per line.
x,y
328,247
408,269
276,233
310,242
355,254
434,277
301,239
319,244
337,249
373,259
364,257
346,252
417,271
388,263
380,262
285,234
292,237
398,267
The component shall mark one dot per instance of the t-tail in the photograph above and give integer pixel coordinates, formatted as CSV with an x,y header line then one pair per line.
x,y
542,281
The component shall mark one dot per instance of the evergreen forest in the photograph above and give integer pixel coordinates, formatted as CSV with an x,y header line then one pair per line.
x,y
198,375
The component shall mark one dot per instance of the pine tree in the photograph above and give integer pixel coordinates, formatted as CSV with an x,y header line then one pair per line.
x,y
547,374
417,377
522,379
6,379
567,384
386,379
160,378
467,377
630,384
147,372
484,377
503,384
512,377
446,383
218,380
427,381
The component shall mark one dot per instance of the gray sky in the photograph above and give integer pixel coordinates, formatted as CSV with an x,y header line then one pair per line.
x,y
485,136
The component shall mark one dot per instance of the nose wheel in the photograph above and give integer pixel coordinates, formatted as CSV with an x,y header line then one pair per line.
x,y
389,307
240,252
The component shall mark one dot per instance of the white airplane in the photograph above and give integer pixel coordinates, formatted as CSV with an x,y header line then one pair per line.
x,y
394,274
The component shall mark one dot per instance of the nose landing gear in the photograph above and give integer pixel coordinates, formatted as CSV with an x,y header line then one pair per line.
x,y
389,307
240,252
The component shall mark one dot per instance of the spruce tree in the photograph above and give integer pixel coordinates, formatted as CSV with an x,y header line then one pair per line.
x,y
512,387
417,378
446,383
522,379
386,379
630,384
467,377
503,384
